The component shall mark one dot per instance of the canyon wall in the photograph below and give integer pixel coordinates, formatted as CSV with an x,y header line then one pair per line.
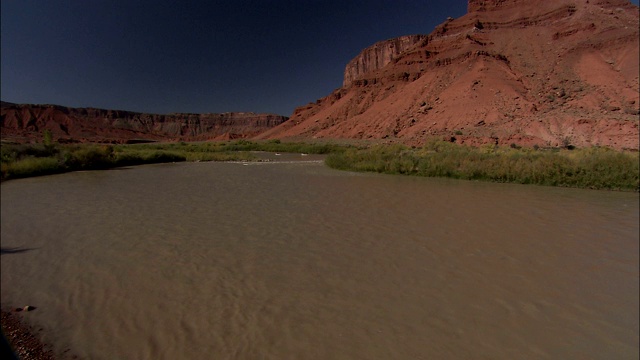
x,y
27,122
545,73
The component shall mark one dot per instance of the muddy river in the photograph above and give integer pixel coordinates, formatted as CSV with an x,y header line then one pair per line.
x,y
292,260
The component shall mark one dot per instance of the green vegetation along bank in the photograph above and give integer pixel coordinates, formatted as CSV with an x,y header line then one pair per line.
x,y
25,160
595,168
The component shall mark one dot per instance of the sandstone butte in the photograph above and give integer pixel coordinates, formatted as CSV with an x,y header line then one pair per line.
x,y
544,72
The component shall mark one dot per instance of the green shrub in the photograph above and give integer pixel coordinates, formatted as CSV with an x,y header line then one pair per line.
x,y
140,157
47,139
31,166
88,157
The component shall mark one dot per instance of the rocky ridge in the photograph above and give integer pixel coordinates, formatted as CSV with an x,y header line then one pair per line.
x,y
27,122
547,73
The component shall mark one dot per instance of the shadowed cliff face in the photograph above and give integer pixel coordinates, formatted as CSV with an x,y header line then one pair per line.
x,y
27,122
547,73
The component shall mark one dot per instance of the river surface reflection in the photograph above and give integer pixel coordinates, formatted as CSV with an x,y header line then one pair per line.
x,y
293,260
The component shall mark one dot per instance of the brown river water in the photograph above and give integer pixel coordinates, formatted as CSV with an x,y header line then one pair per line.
x,y
293,260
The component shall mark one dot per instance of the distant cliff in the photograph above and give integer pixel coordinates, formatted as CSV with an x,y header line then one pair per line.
x,y
25,122
379,55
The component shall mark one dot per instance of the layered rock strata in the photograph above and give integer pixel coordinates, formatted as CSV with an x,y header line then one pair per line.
x,y
379,55
27,122
546,73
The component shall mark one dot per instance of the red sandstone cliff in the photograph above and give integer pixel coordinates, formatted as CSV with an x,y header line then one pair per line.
x,y
27,122
378,56
547,72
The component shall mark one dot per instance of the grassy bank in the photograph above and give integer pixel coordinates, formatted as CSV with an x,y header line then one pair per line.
x,y
196,150
38,159
595,168
47,158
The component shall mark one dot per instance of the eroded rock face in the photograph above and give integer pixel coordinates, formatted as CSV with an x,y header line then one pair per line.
x,y
27,122
488,5
379,55
546,73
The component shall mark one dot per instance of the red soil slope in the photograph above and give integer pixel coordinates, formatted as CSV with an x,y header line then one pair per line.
x,y
546,72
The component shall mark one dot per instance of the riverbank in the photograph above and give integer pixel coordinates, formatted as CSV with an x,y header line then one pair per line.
x,y
27,160
590,168
24,342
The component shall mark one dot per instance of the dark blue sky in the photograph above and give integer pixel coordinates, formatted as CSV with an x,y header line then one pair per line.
x,y
195,56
